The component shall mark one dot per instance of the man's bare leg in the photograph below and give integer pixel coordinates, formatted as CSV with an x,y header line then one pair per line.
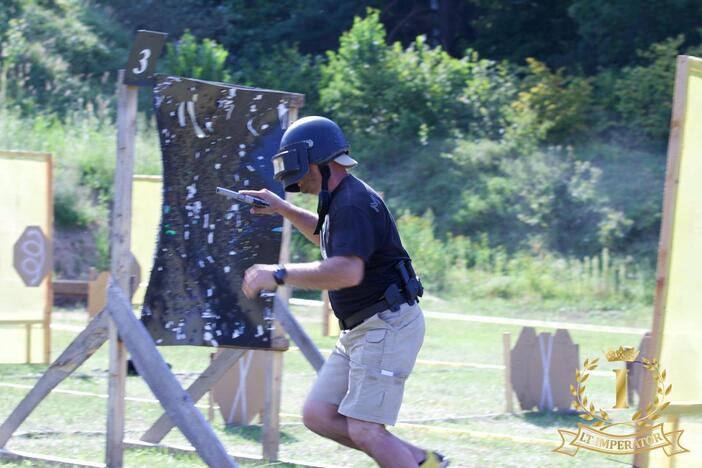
x,y
324,419
387,450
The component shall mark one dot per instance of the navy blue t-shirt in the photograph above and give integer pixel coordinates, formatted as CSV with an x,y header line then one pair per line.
x,y
359,224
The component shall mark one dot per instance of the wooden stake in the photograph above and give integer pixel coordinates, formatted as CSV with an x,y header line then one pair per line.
x,y
210,397
325,313
221,363
271,404
506,353
120,262
298,335
28,342
179,407
330,326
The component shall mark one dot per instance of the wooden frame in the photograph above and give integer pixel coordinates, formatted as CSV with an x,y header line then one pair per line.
x,y
48,303
118,324
675,139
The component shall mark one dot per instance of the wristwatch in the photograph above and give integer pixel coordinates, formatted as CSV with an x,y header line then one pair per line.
x,y
279,275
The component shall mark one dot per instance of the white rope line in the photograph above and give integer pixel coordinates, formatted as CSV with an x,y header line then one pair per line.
x,y
507,320
88,394
410,424
426,362
66,327
466,365
482,434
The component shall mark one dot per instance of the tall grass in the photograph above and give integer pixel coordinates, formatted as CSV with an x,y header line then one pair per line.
x,y
461,267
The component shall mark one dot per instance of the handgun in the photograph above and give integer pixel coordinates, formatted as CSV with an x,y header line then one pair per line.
x,y
255,201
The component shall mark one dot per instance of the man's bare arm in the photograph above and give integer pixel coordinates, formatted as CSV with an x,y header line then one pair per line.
x,y
332,273
303,220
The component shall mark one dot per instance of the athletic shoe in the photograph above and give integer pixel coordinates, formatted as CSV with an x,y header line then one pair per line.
x,y
434,460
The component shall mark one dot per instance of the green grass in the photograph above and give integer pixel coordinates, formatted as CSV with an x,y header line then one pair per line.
x,y
73,426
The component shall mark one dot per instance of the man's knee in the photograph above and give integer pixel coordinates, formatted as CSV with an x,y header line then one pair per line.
x,y
365,434
317,415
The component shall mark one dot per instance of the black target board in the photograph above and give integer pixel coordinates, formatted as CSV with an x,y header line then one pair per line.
x,y
213,134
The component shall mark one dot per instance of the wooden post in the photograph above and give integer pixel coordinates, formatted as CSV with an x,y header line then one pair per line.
x,y
298,335
120,262
271,404
165,387
222,362
28,342
506,353
665,243
49,275
325,313
330,326
274,359
210,397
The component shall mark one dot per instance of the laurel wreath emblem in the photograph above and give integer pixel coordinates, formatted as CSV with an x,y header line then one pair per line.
x,y
602,419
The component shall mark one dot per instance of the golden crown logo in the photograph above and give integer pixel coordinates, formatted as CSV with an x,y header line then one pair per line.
x,y
628,354
645,437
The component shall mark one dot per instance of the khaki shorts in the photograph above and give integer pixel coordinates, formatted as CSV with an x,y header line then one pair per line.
x,y
365,374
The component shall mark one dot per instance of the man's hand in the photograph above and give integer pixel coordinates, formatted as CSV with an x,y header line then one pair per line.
x,y
276,203
258,276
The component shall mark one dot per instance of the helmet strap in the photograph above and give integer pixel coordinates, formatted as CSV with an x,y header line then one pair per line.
x,y
324,198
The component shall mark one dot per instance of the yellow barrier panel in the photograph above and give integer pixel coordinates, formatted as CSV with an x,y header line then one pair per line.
x,y
25,191
678,315
146,218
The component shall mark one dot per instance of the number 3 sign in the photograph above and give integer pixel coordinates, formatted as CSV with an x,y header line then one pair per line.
x,y
142,58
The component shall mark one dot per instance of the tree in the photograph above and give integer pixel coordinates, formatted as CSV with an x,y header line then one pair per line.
x,y
517,29
54,54
612,30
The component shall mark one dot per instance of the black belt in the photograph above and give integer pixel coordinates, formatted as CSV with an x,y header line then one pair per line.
x,y
357,318
392,299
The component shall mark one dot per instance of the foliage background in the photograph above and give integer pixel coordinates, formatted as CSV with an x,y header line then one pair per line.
x,y
521,144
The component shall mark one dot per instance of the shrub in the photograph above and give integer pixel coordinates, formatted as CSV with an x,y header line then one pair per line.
x,y
428,253
202,60
559,102
392,101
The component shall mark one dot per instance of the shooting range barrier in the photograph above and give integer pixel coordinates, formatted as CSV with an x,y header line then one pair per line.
x,y
239,391
676,334
25,272
541,369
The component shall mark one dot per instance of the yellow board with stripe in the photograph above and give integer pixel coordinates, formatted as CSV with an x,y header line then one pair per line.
x,y
681,340
146,219
25,191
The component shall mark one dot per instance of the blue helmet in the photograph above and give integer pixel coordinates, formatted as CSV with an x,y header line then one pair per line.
x,y
310,140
